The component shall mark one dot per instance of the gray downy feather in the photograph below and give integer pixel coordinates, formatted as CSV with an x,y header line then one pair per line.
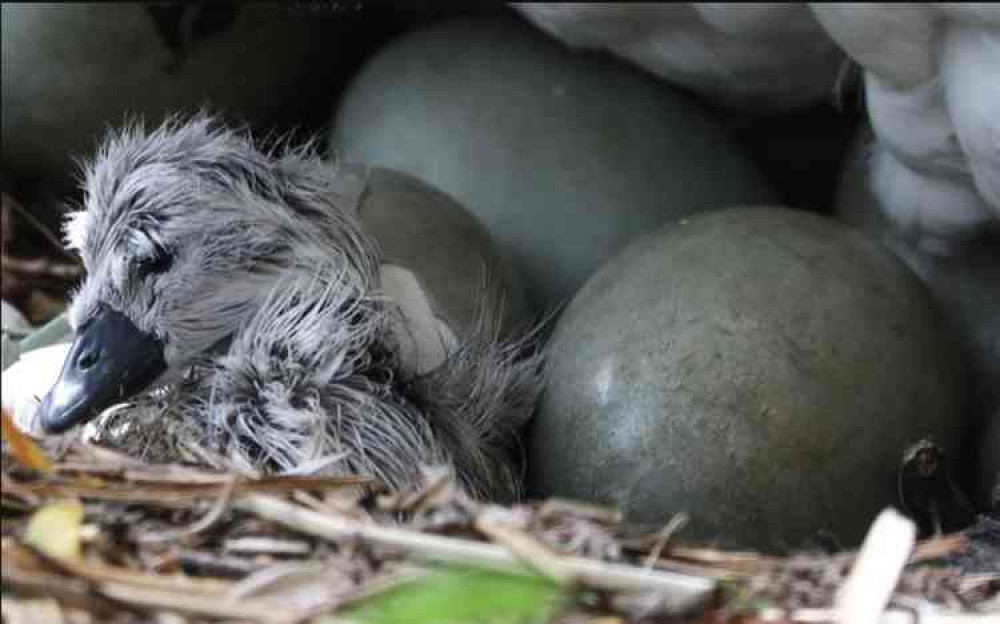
x,y
277,337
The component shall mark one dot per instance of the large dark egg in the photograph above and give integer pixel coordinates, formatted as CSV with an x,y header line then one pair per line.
x,y
964,281
71,70
563,155
439,263
761,368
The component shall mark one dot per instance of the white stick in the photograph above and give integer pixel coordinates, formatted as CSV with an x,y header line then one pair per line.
x,y
682,591
883,555
891,616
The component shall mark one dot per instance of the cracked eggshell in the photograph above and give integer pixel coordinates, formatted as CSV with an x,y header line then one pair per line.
x,y
69,70
436,258
964,282
29,379
760,368
563,155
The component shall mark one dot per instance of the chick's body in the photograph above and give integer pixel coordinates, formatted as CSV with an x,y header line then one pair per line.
x,y
249,271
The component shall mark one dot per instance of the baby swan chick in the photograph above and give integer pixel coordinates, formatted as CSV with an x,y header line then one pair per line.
x,y
242,279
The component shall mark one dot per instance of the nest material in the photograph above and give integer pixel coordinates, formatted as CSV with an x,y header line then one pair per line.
x,y
36,283
176,543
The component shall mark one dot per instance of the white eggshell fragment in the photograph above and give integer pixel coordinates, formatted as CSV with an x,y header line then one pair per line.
x,y
424,340
441,269
28,380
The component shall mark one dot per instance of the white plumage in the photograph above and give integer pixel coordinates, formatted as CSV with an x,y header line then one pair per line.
x,y
932,81
763,55
933,90
971,75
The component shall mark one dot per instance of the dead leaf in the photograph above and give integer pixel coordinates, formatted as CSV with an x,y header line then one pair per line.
x,y
23,447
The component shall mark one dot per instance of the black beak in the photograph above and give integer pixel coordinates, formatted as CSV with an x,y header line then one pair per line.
x,y
110,360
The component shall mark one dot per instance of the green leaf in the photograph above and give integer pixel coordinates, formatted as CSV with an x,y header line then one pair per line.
x,y
463,596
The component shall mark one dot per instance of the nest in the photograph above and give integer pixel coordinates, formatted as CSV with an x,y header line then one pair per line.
x,y
145,523
92,534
